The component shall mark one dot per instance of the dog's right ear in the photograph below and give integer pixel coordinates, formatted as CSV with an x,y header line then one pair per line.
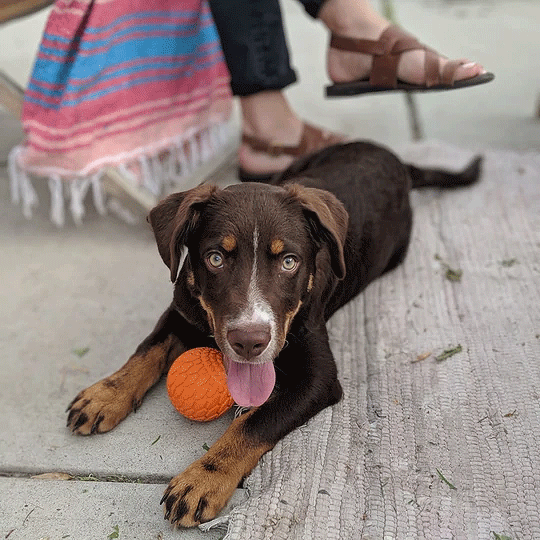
x,y
174,218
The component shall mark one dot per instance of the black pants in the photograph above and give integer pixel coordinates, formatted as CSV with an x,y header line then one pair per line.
x,y
254,45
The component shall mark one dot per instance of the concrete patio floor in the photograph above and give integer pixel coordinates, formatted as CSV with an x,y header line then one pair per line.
x,y
75,302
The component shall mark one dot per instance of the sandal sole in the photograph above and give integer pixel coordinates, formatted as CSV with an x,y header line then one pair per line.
x,y
356,88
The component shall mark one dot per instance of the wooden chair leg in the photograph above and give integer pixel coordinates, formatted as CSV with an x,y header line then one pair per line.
x,y
11,10
11,95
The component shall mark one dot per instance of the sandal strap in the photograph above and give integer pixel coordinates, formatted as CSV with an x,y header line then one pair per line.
x,y
449,71
387,51
312,139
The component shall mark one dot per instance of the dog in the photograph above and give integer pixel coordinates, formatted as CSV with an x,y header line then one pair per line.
x,y
265,267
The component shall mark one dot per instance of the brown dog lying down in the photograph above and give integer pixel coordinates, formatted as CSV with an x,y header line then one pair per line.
x,y
266,266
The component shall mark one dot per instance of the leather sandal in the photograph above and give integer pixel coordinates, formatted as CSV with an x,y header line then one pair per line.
x,y
386,52
312,140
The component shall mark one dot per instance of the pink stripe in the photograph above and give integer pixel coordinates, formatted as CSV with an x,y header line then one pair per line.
x,y
119,148
104,141
178,109
110,11
120,115
102,136
133,125
167,19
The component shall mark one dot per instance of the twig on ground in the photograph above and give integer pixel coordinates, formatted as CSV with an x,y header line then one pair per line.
x,y
441,476
448,353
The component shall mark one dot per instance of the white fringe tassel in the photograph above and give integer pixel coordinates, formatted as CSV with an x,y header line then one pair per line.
x,y
97,193
156,173
57,200
21,186
79,189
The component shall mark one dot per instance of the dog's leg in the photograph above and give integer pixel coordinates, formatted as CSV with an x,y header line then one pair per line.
x,y
105,404
308,383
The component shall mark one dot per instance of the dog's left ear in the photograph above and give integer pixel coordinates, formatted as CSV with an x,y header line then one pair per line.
x,y
330,218
174,218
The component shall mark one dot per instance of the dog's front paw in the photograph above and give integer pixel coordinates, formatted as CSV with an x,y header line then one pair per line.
x,y
198,494
100,407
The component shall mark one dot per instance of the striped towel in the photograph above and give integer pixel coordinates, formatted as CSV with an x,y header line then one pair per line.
x,y
139,84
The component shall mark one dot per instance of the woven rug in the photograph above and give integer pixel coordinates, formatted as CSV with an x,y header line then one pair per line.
x,y
438,435
137,84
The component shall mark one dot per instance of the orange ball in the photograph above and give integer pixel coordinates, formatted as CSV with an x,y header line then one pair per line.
x,y
197,385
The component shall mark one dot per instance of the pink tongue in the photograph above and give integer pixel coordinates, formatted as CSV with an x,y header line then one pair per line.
x,y
250,385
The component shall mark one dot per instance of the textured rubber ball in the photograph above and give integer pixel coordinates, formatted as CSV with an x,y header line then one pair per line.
x,y
197,385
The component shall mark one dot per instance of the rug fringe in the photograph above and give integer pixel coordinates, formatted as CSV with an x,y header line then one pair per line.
x,y
157,174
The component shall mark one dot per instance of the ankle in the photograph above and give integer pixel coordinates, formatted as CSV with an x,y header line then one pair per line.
x,y
352,18
268,116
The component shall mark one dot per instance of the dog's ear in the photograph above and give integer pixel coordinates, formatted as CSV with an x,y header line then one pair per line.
x,y
330,219
174,218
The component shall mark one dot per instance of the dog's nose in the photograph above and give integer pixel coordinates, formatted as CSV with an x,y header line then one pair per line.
x,y
250,341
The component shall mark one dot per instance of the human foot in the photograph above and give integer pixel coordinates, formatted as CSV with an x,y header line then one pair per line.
x,y
273,136
260,158
366,48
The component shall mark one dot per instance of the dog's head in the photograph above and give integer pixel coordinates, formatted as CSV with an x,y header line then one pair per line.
x,y
256,254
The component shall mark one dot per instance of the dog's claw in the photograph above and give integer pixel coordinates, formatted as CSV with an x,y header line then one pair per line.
x,y
203,503
80,421
165,495
96,423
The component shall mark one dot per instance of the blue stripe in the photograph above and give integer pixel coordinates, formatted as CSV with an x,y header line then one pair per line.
x,y
196,21
73,87
88,46
87,67
94,44
183,39
124,86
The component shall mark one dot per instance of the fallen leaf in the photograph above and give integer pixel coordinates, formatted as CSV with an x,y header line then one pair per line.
x,y
52,476
81,351
422,356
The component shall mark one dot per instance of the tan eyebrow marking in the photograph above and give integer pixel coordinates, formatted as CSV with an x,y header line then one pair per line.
x,y
310,283
277,246
228,243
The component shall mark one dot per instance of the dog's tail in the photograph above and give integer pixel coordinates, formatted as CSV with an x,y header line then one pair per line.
x,y
437,177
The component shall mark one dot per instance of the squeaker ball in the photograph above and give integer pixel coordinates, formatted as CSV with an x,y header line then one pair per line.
x,y
197,385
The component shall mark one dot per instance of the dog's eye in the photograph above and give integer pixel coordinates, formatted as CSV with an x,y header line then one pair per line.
x,y
289,263
215,260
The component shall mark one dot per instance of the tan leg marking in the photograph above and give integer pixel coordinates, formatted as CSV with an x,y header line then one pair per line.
x,y
106,403
209,313
289,316
203,489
